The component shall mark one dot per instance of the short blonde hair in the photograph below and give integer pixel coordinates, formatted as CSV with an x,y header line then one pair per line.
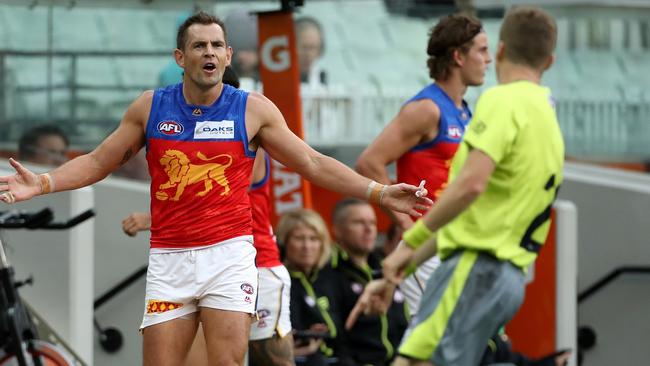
x,y
312,220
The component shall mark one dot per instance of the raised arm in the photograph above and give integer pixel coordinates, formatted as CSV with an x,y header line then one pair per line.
x,y
86,169
276,138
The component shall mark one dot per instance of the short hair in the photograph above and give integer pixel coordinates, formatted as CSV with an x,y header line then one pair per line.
x,y
529,35
29,140
199,18
456,31
311,219
340,212
303,22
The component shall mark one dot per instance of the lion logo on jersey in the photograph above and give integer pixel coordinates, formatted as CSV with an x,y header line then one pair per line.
x,y
182,172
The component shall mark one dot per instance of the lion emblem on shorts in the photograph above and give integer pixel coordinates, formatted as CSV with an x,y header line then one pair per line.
x,y
182,172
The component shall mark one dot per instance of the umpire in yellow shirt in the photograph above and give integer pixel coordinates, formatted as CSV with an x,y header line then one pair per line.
x,y
494,217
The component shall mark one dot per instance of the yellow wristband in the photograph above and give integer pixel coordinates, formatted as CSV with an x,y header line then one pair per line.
x,y
410,269
417,235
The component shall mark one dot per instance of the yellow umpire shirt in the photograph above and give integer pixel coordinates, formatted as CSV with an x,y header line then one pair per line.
x,y
516,126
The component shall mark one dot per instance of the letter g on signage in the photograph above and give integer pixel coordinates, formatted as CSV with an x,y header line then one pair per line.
x,y
282,60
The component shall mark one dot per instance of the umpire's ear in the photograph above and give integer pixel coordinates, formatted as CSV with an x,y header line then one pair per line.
x,y
501,52
549,62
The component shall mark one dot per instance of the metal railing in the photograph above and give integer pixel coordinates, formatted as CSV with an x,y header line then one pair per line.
x,y
88,109
66,96
596,129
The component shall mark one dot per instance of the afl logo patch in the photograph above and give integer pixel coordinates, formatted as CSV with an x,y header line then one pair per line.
x,y
170,128
247,288
454,132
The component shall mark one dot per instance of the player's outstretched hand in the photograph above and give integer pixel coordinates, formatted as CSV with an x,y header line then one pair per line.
x,y
21,186
136,221
406,198
375,299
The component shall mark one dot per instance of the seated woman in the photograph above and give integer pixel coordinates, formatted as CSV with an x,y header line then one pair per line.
x,y
305,243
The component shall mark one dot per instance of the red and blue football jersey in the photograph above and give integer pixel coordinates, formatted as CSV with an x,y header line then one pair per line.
x,y
431,160
268,254
200,168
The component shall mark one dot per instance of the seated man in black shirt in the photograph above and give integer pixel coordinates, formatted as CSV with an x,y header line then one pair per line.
x,y
374,339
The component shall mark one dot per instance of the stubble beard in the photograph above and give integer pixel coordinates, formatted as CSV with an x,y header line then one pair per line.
x,y
207,83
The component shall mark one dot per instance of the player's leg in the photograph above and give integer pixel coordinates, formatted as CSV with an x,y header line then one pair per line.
x,y
226,335
227,276
198,355
271,342
168,343
269,351
170,315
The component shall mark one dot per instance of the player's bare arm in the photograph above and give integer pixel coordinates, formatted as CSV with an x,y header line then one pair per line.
x,y
416,122
87,169
266,124
125,141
